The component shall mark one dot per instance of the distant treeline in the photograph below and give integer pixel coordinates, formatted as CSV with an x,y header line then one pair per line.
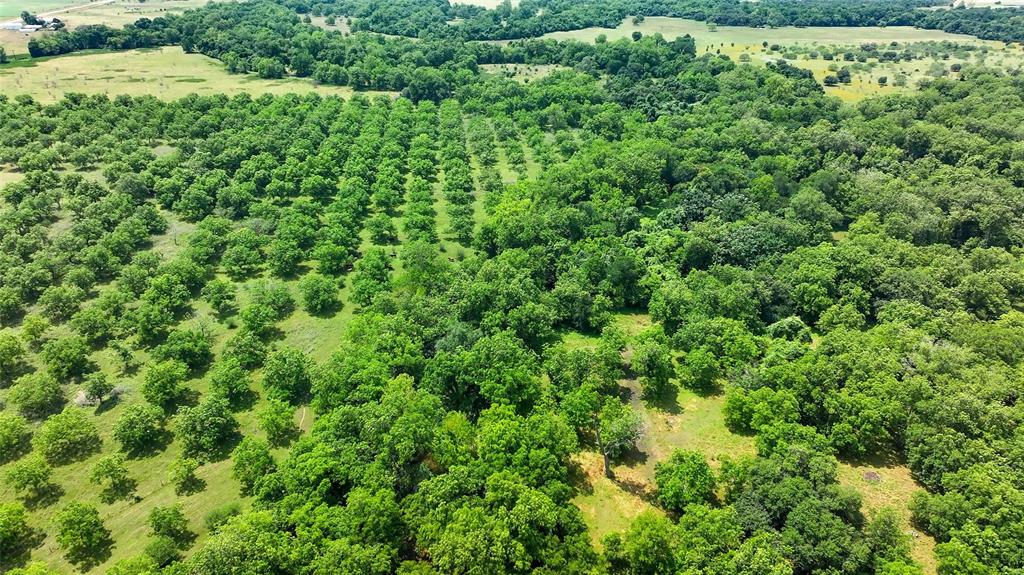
x,y
272,40
532,18
437,19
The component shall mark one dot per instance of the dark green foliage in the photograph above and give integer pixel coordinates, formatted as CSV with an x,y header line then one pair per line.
x,y
286,375
36,395
251,463
206,430
111,474
67,436
319,294
14,436
163,383
81,534
140,428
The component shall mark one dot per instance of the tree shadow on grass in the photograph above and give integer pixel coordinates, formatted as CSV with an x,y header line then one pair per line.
x,y
632,458
159,443
107,404
667,401
191,486
44,497
88,558
120,490
639,489
19,554
579,480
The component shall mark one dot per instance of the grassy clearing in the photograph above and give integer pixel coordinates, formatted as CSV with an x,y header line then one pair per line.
x,y
734,41
884,484
687,421
747,36
606,506
167,73
522,72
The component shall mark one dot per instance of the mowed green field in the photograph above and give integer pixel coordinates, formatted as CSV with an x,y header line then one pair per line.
x,y
168,73
10,9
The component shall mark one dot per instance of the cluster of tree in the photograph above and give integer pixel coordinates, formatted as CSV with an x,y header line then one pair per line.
x,y
740,206
532,18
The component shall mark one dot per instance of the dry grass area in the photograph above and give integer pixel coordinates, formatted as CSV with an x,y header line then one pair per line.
x,y
606,506
735,37
167,73
522,72
890,485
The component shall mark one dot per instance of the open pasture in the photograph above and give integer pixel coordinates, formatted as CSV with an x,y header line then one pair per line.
x,y
167,73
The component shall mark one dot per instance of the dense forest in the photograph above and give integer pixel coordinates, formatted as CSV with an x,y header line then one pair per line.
x,y
849,278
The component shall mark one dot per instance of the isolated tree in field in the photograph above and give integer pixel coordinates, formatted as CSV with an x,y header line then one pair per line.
x,y
699,370
14,436
182,475
30,477
286,375
652,362
33,330
61,302
615,427
230,381
191,347
206,429
251,462
15,532
684,479
220,294
12,357
97,386
163,383
123,355
67,357
139,428
111,474
319,294
170,522
370,276
82,535
36,395
67,436
283,257
277,420
246,348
